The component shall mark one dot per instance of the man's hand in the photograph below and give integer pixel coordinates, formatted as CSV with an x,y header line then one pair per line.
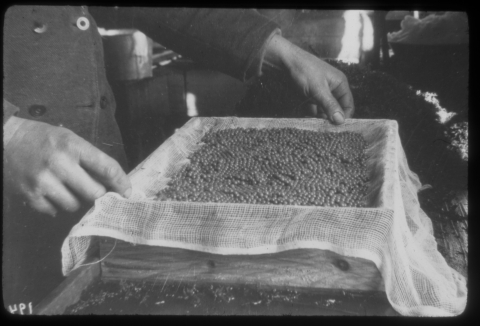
x,y
53,168
325,87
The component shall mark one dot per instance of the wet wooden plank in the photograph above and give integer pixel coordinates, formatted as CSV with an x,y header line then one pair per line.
x,y
307,268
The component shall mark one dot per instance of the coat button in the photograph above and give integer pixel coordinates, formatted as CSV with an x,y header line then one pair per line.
x,y
37,110
83,23
103,102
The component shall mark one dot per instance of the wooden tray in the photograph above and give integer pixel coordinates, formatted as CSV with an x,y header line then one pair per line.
x,y
309,268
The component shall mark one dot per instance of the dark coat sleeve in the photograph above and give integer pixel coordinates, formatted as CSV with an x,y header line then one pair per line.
x,y
228,40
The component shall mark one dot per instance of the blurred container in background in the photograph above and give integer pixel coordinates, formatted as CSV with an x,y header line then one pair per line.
x,y
128,54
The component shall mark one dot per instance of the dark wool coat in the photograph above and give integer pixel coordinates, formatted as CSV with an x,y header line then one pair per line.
x,y
54,72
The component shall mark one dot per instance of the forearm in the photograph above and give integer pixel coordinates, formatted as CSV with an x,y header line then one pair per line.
x,y
281,55
228,40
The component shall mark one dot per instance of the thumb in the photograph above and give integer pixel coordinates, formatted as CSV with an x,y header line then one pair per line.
x,y
330,106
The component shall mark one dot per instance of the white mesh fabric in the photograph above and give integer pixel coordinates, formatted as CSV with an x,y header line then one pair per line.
x,y
395,234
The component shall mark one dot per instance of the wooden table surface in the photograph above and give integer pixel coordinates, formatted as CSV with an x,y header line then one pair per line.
x,y
94,296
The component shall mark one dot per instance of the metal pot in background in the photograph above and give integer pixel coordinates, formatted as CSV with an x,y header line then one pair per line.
x,y
128,54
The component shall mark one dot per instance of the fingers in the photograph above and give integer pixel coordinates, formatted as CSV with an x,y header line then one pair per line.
x,y
338,104
66,170
82,184
60,196
51,188
331,107
42,205
319,81
106,169
54,169
344,97
52,194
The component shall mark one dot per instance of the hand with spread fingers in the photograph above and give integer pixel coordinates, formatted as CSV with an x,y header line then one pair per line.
x,y
325,88
54,169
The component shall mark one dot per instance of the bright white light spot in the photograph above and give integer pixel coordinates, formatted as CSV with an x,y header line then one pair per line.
x,y
367,41
113,32
164,63
443,115
390,53
416,14
358,35
351,38
191,105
